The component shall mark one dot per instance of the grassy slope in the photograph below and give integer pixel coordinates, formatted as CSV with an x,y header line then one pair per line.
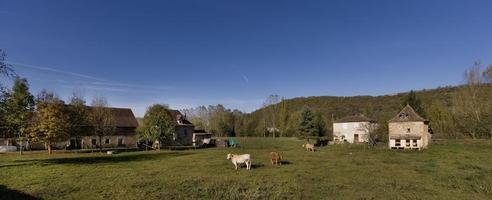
x,y
453,170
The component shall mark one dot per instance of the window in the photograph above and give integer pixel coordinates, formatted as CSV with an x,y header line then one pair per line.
x,y
408,130
397,143
403,116
407,142
107,141
120,141
94,142
414,143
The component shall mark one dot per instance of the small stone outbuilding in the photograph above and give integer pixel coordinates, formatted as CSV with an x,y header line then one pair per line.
x,y
408,130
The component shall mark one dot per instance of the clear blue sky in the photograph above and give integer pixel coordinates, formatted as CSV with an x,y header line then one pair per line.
x,y
189,53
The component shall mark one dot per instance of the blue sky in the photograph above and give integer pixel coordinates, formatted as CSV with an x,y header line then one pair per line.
x,y
189,53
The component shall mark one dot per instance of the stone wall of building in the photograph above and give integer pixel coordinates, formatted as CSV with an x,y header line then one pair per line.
x,y
184,135
115,141
407,131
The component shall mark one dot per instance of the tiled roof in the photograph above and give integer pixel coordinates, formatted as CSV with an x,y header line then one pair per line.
x,y
354,118
408,114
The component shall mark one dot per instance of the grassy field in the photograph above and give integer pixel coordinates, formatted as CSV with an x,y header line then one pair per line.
x,y
451,170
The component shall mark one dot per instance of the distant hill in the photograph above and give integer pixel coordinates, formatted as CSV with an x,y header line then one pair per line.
x,y
381,108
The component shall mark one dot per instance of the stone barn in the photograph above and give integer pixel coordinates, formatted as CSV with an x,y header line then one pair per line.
x,y
124,136
352,129
408,130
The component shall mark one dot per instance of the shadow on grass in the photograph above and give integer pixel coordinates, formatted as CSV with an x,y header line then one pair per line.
x,y
285,162
100,159
6,193
256,166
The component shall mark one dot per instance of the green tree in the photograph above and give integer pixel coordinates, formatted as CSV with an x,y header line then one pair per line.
x,y
102,119
441,119
19,109
158,124
309,124
79,117
412,100
283,117
50,124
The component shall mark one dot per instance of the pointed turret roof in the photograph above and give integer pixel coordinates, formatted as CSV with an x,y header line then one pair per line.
x,y
408,114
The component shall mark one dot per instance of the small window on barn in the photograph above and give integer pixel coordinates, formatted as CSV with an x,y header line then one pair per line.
x,y
107,141
408,130
397,142
94,142
414,143
407,142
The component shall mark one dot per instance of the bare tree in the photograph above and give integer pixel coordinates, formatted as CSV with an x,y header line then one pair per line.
x,y
271,105
371,130
487,74
468,109
102,119
5,68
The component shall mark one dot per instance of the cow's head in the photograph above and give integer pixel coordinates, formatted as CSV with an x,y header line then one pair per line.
x,y
229,156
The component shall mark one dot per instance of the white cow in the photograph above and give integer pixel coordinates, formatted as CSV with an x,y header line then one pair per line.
x,y
240,159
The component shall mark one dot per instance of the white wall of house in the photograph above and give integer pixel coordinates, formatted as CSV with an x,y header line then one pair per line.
x,y
406,144
349,130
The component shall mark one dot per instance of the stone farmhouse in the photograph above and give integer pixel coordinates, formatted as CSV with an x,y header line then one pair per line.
x,y
352,129
183,134
408,130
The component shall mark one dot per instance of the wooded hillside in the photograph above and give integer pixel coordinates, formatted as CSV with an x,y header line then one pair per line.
x,y
381,108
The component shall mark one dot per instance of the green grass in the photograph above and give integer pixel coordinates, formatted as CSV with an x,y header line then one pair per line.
x,y
451,170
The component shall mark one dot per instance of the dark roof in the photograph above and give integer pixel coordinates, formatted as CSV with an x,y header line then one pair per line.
x,y
123,117
202,133
180,117
405,137
354,118
408,114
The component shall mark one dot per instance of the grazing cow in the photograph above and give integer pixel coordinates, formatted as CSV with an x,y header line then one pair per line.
x,y
276,158
309,147
240,159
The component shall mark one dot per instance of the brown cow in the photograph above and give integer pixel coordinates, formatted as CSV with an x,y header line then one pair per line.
x,y
276,158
